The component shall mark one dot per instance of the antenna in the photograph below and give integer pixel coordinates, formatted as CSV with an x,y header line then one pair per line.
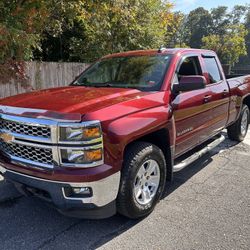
x,y
161,49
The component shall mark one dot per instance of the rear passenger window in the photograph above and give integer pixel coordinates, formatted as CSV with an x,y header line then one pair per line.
x,y
212,69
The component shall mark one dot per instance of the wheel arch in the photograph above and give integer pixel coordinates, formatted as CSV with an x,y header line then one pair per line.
x,y
246,101
160,138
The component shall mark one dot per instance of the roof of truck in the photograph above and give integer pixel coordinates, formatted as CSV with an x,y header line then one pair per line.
x,y
159,51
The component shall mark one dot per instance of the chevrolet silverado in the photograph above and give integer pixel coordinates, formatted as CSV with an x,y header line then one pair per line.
x,y
111,140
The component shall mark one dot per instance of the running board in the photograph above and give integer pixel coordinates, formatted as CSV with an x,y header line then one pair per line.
x,y
198,154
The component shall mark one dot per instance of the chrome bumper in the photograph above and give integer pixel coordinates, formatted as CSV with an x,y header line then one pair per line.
x,y
104,191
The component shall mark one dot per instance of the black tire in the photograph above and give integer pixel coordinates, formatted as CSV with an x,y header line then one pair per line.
x,y
234,131
135,156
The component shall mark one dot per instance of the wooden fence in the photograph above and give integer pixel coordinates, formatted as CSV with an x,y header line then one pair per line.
x,y
42,75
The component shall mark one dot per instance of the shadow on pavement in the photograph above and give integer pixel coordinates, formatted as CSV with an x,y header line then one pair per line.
x,y
184,175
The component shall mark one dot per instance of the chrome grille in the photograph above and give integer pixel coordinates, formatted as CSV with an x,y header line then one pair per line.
x,y
34,154
25,129
34,141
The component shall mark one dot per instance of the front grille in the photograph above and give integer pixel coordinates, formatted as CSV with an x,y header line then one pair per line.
x,y
34,141
24,129
34,154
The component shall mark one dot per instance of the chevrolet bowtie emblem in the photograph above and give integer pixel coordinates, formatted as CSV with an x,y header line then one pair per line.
x,y
8,138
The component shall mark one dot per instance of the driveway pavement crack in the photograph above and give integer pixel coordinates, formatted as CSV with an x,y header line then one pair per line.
x,y
54,237
10,201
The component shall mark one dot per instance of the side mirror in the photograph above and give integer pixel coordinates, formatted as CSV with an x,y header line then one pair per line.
x,y
188,83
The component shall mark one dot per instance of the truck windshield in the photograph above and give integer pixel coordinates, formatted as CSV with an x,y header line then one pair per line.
x,y
145,73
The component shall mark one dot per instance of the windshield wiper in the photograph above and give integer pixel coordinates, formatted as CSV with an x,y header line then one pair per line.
x,y
108,84
105,84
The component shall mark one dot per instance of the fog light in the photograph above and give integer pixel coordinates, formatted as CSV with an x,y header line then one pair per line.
x,y
78,192
82,190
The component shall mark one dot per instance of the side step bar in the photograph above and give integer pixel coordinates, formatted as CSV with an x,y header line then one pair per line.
x,y
198,154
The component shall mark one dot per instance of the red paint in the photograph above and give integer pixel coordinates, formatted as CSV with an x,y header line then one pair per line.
x,y
126,115
64,175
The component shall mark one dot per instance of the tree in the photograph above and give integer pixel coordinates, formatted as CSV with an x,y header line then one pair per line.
x,y
101,27
247,26
20,26
76,30
229,46
175,30
238,13
241,15
198,23
220,20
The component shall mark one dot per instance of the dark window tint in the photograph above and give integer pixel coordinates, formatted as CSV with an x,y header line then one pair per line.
x,y
141,72
212,69
190,66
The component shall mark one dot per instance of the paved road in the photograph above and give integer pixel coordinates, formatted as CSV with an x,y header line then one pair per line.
x,y
207,207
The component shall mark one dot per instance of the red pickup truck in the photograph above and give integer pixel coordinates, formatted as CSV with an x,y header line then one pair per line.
x,y
111,140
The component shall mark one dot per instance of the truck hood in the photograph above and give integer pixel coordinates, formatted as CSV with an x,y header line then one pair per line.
x,y
73,99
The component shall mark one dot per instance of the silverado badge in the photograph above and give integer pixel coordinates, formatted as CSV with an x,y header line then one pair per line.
x,y
7,138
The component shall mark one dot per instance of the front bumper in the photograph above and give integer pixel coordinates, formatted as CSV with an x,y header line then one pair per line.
x,y
101,203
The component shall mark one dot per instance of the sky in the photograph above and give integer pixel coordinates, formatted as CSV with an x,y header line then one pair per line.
x,y
187,5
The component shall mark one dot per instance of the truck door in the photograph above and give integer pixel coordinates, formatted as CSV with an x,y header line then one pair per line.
x,y
219,94
192,112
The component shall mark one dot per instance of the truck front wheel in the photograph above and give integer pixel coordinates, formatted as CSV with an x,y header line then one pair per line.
x,y
142,181
238,130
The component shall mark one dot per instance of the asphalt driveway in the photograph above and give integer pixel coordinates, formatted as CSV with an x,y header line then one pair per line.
x,y
207,207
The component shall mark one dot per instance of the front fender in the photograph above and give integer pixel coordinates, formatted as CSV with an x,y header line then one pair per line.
x,y
119,133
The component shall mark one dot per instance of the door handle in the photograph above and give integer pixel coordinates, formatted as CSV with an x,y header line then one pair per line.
x,y
207,98
225,92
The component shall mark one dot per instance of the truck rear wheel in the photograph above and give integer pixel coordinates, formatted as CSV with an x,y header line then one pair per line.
x,y
238,130
142,181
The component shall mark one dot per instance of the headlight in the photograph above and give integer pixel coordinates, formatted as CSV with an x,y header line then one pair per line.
x,y
80,133
81,156
81,145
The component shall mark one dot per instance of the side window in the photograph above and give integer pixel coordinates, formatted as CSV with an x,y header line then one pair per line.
x,y
212,69
190,66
